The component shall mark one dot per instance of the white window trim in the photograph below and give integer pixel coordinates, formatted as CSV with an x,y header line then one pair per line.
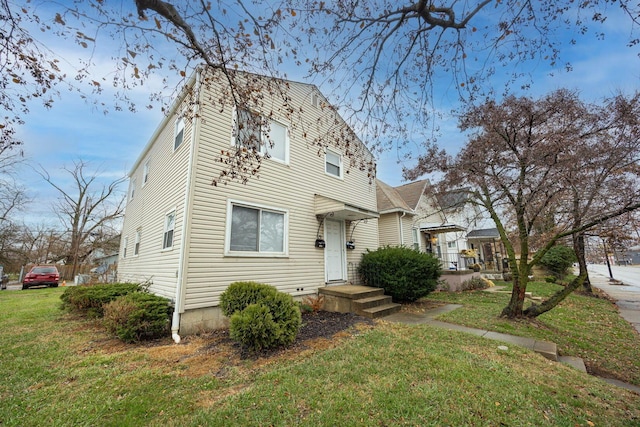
x,y
415,236
179,125
165,230
132,189
227,235
136,243
263,140
145,173
125,243
329,150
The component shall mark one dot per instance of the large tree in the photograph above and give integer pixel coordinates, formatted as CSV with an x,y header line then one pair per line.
x,y
545,170
88,212
380,57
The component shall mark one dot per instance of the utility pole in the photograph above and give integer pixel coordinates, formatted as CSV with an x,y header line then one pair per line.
x,y
606,257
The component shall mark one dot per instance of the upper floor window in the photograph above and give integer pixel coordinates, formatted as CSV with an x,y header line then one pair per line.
x,y
271,139
145,173
136,246
125,243
178,134
333,163
133,189
169,225
254,229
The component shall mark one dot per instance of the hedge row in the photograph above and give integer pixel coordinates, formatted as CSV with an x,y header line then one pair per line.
x,y
127,310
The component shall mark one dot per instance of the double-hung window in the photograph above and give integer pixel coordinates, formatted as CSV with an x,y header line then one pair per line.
x,y
145,173
125,243
333,163
269,138
256,230
178,134
169,225
133,189
136,245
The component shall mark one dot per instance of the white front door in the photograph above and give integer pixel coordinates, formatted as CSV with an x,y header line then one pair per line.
x,y
334,252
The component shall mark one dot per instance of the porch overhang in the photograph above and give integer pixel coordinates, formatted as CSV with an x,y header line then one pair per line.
x,y
487,235
326,207
433,228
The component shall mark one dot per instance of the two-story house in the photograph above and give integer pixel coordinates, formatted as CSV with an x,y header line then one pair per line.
x,y
297,226
410,215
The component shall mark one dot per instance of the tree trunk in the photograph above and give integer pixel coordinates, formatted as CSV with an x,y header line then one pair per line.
x,y
514,309
536,310
578,247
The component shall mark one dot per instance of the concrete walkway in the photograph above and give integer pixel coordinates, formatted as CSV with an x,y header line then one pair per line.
x,y
627,297
544,348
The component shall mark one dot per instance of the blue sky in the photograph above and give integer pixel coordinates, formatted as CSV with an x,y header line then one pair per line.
x,y
111,143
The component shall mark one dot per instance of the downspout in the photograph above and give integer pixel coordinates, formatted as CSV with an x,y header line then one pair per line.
x,y
401,228
175,321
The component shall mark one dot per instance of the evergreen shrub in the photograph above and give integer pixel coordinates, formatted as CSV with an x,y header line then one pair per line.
x,y
137,316
558,259
261,317
405,274
239,295
90,299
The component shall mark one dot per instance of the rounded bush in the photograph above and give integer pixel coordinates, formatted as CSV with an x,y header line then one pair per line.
x,y
286,314
255,328
405,274
282,323
239,295
558,259
137,316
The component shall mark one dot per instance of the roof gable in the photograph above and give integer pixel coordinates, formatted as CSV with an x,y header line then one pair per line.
x,y
412,192
389,200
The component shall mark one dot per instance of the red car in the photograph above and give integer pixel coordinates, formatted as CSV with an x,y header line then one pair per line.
x,y
41,275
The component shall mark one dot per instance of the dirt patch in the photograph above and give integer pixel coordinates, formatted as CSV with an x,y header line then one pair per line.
x,y
215,353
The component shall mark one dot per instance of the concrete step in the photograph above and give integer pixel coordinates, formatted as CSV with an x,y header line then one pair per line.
x,y
574,362
380,311
353,292
369,302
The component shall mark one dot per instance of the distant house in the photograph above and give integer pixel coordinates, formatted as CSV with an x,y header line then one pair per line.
x,y
303,224
411,215
486,242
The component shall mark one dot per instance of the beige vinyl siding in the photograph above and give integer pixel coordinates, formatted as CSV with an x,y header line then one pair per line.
x,y
162,193
407,226
389,229
395,229
291,187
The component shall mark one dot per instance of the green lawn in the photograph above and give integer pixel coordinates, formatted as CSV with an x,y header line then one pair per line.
x,y
583,326
58,370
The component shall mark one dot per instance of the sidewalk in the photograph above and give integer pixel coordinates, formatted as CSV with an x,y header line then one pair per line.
x,y
544,348
627,297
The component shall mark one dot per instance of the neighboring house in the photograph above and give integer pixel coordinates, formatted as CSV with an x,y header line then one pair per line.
x,y
411,216
189,239
486,242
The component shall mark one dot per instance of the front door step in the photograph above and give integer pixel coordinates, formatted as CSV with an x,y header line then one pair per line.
x,y
363,300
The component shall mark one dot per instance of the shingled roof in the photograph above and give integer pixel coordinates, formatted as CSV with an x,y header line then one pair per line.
x,y
389,200
412,192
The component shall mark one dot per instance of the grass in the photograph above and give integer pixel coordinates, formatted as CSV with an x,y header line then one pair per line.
x,y
582,326
60,370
